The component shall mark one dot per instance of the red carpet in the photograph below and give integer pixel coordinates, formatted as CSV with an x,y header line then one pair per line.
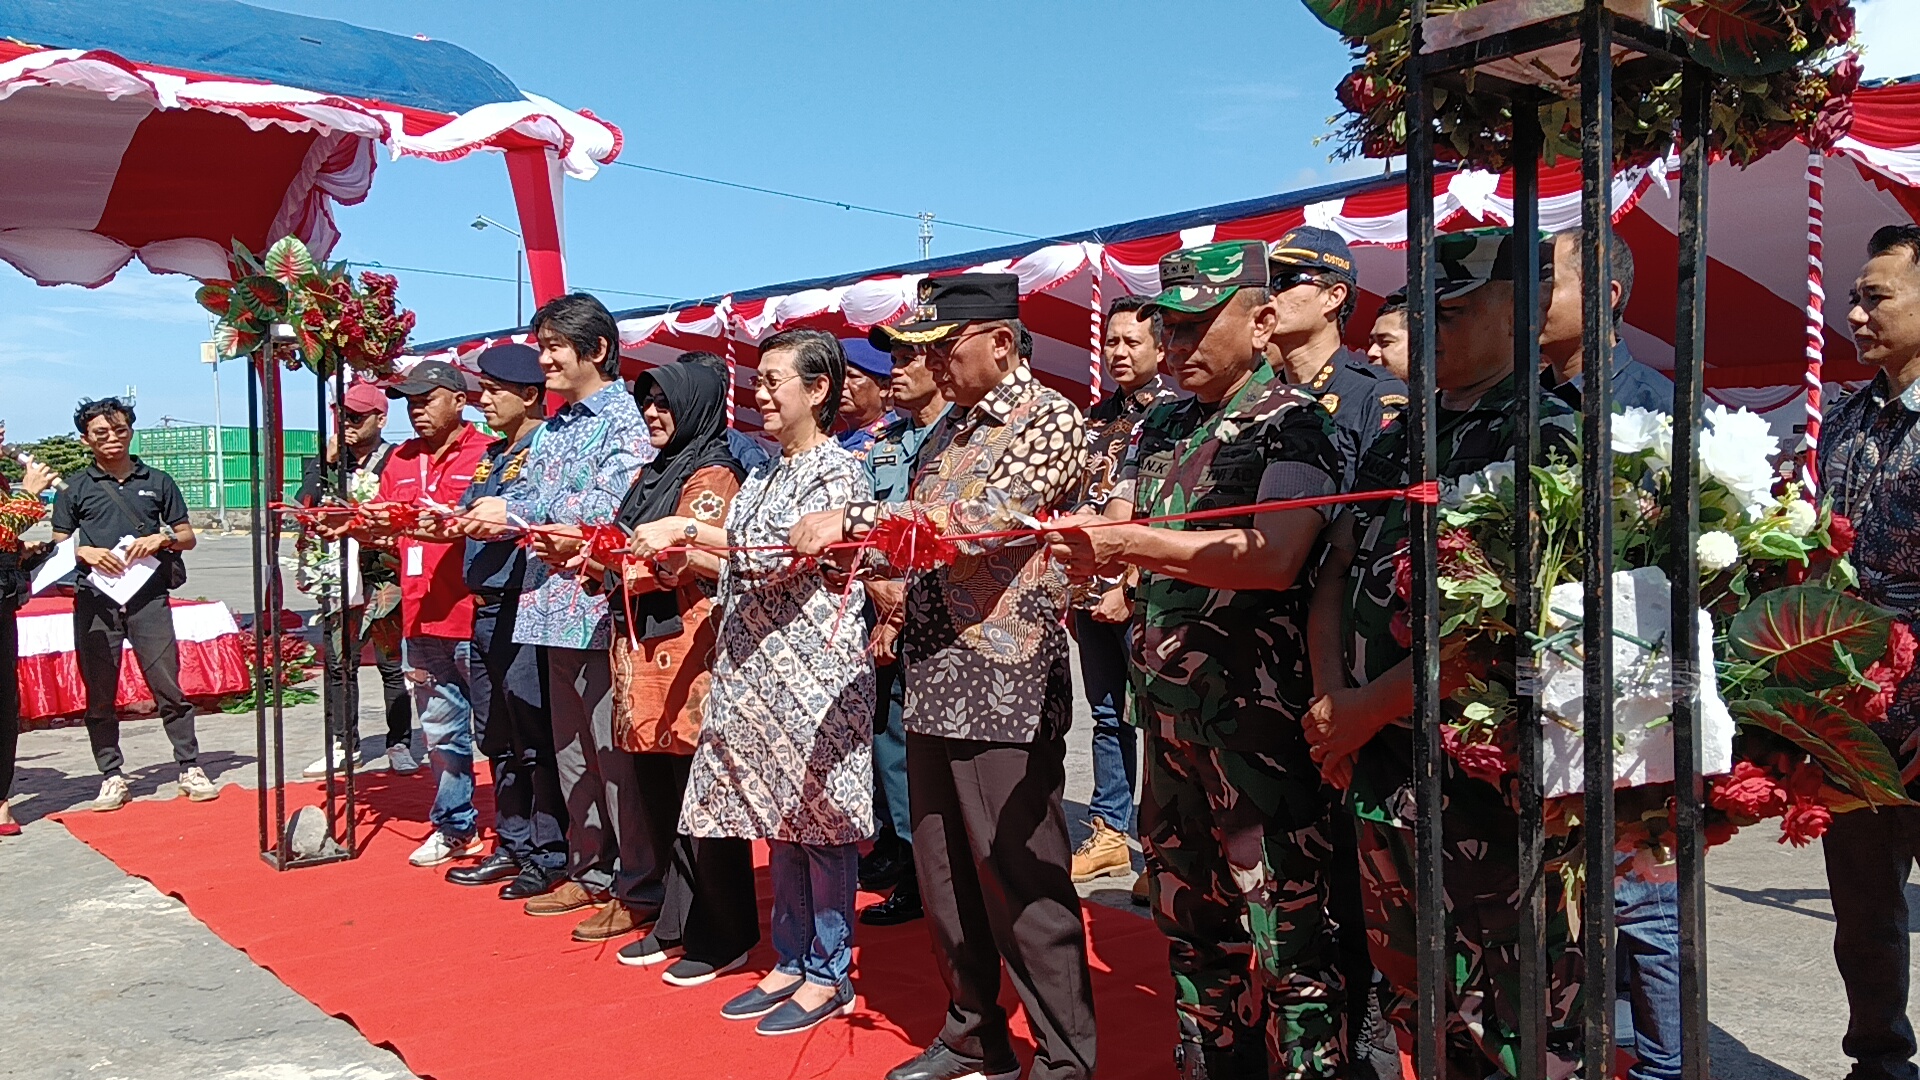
x,y
463,986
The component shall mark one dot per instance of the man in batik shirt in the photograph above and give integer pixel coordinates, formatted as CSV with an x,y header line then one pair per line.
x,y
1134,355
989,696
1234,819
1870,468
1360,725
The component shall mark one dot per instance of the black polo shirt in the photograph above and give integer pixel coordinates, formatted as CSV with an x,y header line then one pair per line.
x,y
90,512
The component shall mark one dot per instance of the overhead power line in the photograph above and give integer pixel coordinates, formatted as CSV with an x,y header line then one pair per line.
x,y
842,204
509,281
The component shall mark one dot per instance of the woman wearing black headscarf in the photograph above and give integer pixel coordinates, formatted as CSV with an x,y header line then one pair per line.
x,y
662,646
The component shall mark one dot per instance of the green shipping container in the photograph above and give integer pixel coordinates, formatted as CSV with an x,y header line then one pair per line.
x,y
186,454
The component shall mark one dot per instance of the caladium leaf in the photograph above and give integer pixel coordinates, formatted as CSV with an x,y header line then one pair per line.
x,y
264,296
1853,757
288,261
1737,37
244,259
1358,18
1796,630
230,341
216,296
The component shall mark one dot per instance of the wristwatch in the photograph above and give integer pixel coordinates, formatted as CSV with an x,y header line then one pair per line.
x,y
692,531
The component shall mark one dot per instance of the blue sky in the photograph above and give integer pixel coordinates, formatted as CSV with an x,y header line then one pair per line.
x,y
1027,117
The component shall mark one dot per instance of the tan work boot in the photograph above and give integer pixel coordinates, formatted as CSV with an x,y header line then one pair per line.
x,y
1103,854
566,899
613,921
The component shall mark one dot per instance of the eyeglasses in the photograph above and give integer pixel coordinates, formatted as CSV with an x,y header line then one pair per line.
x,y
1288,279
656,400
945,346
770,385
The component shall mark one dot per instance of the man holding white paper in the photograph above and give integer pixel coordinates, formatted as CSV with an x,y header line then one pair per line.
x,y
129,522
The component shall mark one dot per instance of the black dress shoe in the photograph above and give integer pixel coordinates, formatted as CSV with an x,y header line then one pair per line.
x,y
902,907
531,882
498,866
940,1062
882,869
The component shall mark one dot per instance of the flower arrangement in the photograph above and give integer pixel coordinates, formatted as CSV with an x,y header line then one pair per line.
x,y
334,319
1789,69
1800,661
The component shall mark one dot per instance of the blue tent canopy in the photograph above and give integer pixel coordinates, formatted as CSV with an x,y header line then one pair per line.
x,y
225,37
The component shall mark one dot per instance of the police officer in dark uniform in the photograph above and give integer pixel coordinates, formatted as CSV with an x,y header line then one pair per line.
x,y
1313,289
1311,282
509,680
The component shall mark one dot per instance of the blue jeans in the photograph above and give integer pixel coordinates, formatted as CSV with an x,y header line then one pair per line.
x,y
813,887
1116,745
1647,916
438,670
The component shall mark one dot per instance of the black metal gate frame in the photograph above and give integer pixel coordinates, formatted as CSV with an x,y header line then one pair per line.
x,y
1596,30
266,447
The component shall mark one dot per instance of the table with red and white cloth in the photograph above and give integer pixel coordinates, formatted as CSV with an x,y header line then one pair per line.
x,y
213,659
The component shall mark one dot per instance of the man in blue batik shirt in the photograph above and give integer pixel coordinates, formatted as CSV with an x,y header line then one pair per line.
x,y
578,469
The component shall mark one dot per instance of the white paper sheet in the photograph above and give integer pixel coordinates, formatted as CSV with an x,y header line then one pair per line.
x,y
59,564
121,587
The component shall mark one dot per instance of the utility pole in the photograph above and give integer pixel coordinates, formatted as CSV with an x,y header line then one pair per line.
x,y
926,235
210,354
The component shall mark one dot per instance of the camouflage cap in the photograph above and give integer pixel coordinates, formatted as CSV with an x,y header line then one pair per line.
x,y
1199,278
1466,261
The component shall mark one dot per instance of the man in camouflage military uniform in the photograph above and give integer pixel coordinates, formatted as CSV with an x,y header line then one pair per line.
x,y
1312,285
1234,820
1359,725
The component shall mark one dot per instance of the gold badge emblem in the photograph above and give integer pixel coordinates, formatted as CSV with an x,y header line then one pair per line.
x,y
1330,402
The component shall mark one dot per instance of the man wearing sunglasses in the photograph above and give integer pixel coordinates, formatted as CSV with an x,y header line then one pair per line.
x,y
989,694
1313,290
1237,826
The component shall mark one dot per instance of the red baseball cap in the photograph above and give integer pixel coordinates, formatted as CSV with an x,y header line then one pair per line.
x,y
364,397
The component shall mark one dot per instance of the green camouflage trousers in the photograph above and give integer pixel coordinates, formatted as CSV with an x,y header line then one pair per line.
x,y
1256,965
1483,897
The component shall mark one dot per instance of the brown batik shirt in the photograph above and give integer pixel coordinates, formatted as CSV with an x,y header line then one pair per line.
x,y
984,646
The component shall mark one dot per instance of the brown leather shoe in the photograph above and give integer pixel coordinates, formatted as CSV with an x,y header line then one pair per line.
x,y
616,920
565,900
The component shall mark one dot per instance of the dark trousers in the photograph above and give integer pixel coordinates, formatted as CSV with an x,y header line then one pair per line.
x,y
710,904
393,688
990,846
9,694
508,691
890,807
609,848
1869,858
100,627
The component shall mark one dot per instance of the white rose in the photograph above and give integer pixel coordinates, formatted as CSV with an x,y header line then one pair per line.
x,y
1638,430
1737,449
363,486
1801,517
1716,551
1487,481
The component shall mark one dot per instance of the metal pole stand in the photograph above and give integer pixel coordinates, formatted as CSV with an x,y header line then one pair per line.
x,y
282,847
1493,53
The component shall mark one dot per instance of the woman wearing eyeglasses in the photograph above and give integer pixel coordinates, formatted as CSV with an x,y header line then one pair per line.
x,y
785,751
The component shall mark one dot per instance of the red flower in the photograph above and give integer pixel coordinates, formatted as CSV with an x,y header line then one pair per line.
x,y
1840,534
1719,831
313,319
1805,822
1482,761
1401,627
1403,575
1751,793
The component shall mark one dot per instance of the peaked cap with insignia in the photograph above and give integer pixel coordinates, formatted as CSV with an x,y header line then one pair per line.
x,y
1200,278
948,302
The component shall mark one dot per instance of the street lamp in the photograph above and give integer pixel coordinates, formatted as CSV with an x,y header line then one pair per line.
x,y
482,223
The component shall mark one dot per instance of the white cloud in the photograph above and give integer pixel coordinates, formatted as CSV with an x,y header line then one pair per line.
x,y
1890,30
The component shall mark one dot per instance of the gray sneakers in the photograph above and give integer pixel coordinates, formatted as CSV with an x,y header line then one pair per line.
x,y
401,760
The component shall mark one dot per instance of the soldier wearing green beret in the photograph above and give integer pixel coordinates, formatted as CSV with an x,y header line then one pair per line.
x,y
1235,819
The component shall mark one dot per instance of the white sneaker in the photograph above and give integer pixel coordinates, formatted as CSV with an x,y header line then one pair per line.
x,y
441,848
318,770
195,785
401,760
113,793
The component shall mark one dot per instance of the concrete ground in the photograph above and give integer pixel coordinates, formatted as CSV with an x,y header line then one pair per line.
x,y
102,977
